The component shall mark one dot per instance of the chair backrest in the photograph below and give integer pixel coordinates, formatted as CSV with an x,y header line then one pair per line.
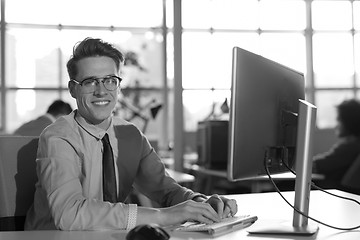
x,y
351,179
17,179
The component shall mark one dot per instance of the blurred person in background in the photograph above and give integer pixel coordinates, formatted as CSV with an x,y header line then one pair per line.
x,y
334,163
34,127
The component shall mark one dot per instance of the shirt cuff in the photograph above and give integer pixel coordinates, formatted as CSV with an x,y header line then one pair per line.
x,y
132,215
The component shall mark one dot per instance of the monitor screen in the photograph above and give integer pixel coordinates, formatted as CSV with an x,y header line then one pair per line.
x,y
270,130
263,115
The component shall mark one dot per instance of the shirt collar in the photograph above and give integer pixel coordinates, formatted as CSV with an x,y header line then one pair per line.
x,y
90,128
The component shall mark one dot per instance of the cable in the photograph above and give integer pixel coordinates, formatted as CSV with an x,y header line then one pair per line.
x,y
323,190
300,212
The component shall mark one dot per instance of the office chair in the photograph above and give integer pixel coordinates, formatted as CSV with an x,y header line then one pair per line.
x,y
17,179
351,179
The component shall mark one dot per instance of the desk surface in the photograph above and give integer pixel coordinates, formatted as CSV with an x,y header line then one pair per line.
x,y
180,177
269,207
223,173
256,184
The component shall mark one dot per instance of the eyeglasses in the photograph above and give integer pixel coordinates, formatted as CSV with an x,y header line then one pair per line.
x,y
110,82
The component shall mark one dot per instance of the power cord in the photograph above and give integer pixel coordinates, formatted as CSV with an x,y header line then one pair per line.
x,y
316,187
323,190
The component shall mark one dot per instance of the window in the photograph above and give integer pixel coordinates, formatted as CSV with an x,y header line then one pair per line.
x,y
334,38
276,29
39,38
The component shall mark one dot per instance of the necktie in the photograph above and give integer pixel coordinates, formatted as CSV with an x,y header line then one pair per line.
x,y
109,179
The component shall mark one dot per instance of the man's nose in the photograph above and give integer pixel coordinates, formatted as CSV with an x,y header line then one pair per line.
x,y
100,88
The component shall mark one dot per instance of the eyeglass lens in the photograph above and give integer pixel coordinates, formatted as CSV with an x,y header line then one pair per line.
x,y
110,83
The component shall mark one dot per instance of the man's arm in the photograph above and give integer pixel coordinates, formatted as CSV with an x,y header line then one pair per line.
x,y
339,156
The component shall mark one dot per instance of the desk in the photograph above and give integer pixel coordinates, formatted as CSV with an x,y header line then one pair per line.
x,y
257,184
180,177
269,207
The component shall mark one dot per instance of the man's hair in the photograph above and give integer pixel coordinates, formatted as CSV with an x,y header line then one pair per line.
x,y
92,47
59,107
349,116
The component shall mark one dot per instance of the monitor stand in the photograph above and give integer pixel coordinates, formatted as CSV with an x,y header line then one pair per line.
x,y
300,225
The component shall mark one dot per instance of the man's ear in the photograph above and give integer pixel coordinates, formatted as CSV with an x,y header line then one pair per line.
x,y
71,87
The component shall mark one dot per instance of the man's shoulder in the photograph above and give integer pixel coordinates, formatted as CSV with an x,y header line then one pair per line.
x,y
118,122
33,127
123,126
63,126
348,142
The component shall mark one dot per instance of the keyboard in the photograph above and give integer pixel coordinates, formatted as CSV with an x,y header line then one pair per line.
x,y
240,221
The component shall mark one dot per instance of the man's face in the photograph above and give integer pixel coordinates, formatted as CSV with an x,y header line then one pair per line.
x,y
340,131
97,106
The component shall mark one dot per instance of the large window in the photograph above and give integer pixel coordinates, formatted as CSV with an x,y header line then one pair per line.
x,y
320,38
335,32
326,49
40,36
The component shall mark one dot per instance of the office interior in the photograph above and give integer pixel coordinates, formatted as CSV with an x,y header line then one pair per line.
x,y
178,57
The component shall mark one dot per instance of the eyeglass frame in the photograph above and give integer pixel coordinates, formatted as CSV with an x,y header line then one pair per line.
x,y
98,80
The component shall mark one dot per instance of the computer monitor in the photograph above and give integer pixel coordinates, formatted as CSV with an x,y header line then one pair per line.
x,y
270,128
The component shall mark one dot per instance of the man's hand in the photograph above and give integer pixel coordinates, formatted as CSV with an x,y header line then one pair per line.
x,y
199,209
223,206
188,211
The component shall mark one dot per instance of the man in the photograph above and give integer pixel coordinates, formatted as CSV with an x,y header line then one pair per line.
x,y
335,163
72,192
34,127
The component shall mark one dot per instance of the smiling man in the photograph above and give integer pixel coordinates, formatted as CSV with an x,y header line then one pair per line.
x,y
89,161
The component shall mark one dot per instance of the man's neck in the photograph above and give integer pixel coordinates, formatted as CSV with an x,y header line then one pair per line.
x,y
105,124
